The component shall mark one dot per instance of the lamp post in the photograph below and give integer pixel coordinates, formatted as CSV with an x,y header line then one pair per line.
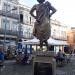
x,y
6,14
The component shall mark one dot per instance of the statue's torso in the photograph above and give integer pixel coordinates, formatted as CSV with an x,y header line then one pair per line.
x,y
42,29
41,12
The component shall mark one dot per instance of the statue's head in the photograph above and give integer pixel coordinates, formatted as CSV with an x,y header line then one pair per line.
x,y
40,1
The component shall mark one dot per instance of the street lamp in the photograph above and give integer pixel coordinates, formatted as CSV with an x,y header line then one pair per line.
x,y
6,24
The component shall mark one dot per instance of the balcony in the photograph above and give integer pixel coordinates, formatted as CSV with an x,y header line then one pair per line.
x,y
59,37
11,15
8,32
28,36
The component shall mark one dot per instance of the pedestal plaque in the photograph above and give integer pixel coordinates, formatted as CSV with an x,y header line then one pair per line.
x,y
44,63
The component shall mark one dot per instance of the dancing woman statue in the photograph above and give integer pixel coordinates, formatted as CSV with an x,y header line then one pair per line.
x,y
42,29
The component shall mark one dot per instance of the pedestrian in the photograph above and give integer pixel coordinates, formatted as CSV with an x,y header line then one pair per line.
x,y
60,56
1,57
42,28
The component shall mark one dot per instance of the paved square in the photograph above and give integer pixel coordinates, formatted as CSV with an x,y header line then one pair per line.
x,y
11,68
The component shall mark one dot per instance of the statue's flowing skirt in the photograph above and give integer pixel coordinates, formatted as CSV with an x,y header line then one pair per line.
x,y
42,31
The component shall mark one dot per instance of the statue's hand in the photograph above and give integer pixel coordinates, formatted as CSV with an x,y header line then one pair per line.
x,y
50,15
38,20
35,17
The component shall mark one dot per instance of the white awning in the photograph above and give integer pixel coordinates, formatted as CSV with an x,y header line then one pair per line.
x,y
51,41
32,41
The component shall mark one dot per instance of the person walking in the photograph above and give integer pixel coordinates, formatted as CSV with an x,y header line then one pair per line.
x,y
1,57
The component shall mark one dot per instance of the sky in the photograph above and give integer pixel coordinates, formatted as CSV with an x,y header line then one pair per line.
x,y
65,10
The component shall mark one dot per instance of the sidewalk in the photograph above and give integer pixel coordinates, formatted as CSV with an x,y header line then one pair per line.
x,y
11,68
68,69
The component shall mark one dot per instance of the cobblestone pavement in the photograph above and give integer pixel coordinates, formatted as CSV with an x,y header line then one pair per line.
x,y
11,68
67,69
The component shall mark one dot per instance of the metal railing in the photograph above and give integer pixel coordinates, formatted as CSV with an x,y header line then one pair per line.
x,y
9,32
11,15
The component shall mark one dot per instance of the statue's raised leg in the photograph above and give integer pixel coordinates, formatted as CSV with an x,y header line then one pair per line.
x,y
41,45
46,43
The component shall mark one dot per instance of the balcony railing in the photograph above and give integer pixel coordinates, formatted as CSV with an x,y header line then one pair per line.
x,y
59,37
28,36
9,32
11,15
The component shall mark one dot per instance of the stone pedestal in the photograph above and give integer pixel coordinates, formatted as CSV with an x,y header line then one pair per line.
x,y
44,63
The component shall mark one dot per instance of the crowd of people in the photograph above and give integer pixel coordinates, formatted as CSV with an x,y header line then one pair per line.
x,y
63,57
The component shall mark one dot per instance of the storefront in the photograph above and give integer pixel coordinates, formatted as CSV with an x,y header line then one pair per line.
x,y
55,45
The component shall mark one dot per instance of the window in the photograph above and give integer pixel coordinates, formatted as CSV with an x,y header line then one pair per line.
x,y
21,18
30,20
14,26
7,23
6,6
14,11
74,38
26,18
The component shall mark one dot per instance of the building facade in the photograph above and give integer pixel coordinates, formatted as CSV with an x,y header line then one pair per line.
x,y
11,29
58,33
58,30
71,38
28,22
8,21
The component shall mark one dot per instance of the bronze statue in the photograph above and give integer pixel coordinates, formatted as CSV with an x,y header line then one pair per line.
x,y
42,30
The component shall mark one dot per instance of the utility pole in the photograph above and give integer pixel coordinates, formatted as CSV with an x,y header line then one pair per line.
x,y
5,28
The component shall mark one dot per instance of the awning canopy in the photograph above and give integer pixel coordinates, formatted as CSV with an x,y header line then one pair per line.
x,y
32,41
51,41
